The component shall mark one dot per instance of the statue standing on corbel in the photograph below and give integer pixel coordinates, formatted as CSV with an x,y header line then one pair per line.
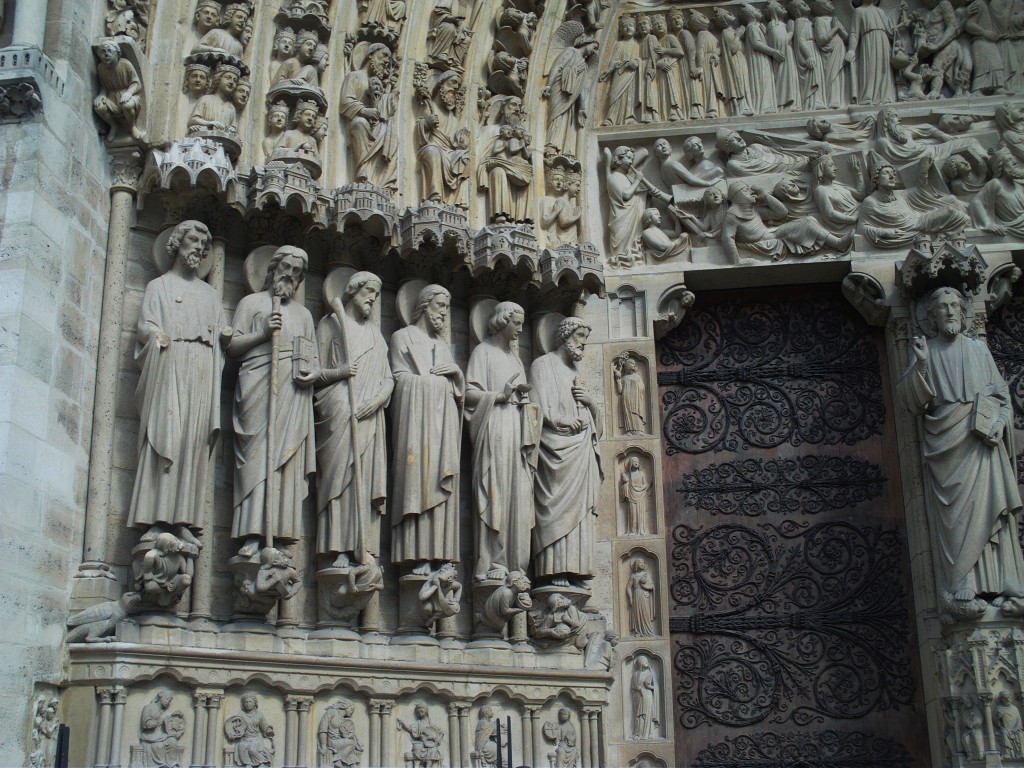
x,y
566,87
180,332
505,170
443,152
368,102
970,480
427,436
119,102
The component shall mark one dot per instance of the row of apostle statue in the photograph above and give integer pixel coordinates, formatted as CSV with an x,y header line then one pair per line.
x,y
312,399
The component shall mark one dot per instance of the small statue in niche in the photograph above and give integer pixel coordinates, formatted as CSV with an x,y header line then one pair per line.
x,y
277,120
558,622
443,152
744,228
1009,731
207,16
869,53
160,731
227,37
96,622
216,111
971,734
448,37
120,98
640,600
643,694
426,739
251,734
197,80
632,391
627,190
634,489
301,136
999,208
624,73
506,171
566,88
486,736
337,744
45,724
563,735
368,103
440,594
953,384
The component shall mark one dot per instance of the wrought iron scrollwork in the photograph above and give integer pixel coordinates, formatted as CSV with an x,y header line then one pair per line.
x,y
788,622
740,375
1006,340
822,749
808,485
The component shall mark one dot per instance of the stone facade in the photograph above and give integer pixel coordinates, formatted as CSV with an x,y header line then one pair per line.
x,y
566,343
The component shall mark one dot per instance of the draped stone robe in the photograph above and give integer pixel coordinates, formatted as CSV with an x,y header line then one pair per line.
x,y
568,474
293,454
348,516
178,398
970,487
427,438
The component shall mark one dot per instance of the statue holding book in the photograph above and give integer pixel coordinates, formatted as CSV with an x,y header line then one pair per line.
x,y
970,484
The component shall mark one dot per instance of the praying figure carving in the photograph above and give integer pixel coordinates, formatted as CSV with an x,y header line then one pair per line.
x,y
275,343
119,102
368,103
643,694
179,340
568,463
560,213
779,37
831,36
426,437
354,387
970,481
634,490
504,431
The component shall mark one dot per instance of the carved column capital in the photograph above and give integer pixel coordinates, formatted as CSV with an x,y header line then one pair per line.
x,y
200,699
119,694
214,699
305,702
105,695
291,703
125,169
386,707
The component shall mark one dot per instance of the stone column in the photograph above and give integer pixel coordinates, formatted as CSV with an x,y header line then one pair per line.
x,y
29,23
291,705
305,702
120,696
537,741
594,719
374,734
126,167
583,740
525,724
218,260
454,736
212,727
101,757
465,740
385,731
199,730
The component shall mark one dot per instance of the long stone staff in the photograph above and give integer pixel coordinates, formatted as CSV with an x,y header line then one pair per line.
x,y
271,489
357,471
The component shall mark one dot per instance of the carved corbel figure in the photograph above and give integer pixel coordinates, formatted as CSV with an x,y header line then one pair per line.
x,y
120,100
440,594
505,602
94,624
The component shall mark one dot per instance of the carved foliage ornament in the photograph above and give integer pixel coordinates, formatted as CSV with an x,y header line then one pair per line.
x,y
790,623
1006,340
823,749
759,375
809,484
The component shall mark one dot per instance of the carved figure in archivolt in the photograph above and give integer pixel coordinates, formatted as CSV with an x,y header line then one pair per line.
x,y
443,152
566,88
563,735
302,136
485,738
264,320
228,36
970,481
251,734
197,80
640,600
624,73
355,386
504,428
160,731
337,744
45,724
120,98
216,111
178,346
560,212
207,16
999,208
505,168
427,437
643,695
568,463
277,121
368,104
448,37
634,490
627,199
632,391
869,54
425,737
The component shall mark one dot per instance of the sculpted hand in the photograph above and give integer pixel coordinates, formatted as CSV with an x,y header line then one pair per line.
x,y
274,323
366,408
162,340
445,369
582,397
307,379
506,393
347,370
920,349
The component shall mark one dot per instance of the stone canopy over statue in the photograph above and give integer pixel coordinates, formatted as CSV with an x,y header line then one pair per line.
x,y
970,484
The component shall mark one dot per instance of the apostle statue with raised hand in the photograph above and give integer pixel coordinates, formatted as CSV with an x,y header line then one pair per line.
x,y
568,463
354,387
970,482
275,343
504,430
178,346
425,413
